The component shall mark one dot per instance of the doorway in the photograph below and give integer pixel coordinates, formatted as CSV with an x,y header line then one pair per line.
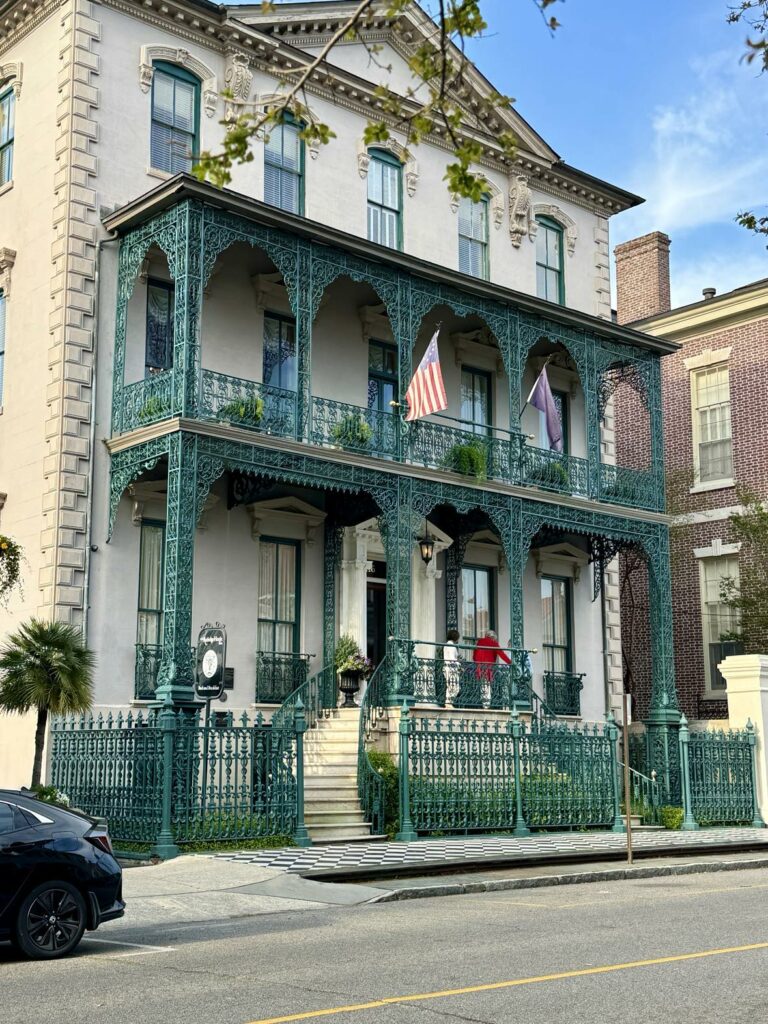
x,y
376,613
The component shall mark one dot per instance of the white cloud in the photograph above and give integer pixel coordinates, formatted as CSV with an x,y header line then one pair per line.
x,y
716,270
708,157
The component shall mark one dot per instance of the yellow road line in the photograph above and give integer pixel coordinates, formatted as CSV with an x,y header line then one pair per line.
x,y
495,985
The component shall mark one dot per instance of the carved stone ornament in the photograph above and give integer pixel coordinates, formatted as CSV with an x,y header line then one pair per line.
x,y
12,72
182,57
238,78
410,167
520,220
555,213
7,259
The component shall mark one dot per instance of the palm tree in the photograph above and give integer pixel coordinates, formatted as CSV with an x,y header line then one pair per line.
x,y
46,665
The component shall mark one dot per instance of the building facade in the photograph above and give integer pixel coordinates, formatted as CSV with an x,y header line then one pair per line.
x,y
210,395
715,433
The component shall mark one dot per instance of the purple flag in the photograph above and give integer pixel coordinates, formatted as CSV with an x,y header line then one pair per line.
x,y
541,398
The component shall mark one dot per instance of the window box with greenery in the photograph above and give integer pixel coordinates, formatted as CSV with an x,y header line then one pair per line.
x,y
155,408
352,431
551,474
245,412
470,459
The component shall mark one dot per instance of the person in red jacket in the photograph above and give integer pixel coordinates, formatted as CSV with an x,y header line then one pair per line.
x,y
486,654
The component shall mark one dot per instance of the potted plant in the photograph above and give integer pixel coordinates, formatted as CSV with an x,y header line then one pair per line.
x,y
10,566
155,408
351,666
246,411
352,431
548,474
469,459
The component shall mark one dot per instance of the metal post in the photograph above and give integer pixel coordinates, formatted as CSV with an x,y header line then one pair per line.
x,y
165,847
206,725
757,820
301,835
689,822
521,829
406,833
612,733
627,793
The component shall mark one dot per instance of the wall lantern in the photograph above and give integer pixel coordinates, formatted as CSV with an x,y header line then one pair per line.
x,y
426,546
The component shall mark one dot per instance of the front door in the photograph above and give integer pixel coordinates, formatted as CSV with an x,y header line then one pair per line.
x,y
376,621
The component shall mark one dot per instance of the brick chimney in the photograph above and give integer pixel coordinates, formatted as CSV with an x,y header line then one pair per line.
x,y
642,277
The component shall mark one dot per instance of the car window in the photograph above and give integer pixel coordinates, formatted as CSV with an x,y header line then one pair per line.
x,y
8,819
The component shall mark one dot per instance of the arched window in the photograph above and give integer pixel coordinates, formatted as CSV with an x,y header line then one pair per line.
x,y
284,167
175,118
7,108
473,237
550,279
385,199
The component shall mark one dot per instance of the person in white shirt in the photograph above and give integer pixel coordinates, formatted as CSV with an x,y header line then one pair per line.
x,y
451,667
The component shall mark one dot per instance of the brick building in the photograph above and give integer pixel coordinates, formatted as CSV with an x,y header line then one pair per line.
x,y
715,441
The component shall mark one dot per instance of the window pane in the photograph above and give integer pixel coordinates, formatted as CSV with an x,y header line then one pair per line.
x,y
541,245
541,281
375,357
465,258
468,604
286,583
290,191
271,184
553,286
162,98
482,602
553,249
284,638
267,562
184,110
391,186
374,223
265,637
151,568
389,229
159,332
273,146
375,181
291,147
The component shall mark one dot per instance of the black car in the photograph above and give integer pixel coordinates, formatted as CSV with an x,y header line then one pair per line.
x,y
57,876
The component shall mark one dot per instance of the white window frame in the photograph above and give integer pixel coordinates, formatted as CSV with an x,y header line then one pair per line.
x,y
709,359
706,556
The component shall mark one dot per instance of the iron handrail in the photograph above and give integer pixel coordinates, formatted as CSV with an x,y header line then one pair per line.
x,y
370,784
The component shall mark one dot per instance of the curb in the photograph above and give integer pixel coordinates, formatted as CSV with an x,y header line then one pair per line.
x,y
573,878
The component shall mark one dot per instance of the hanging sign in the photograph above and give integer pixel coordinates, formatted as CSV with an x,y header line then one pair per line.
x,y
210,662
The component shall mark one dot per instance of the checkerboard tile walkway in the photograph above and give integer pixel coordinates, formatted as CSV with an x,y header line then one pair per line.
x,y
458,852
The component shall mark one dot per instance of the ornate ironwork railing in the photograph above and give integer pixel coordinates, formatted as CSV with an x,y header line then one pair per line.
x,y
645,796
562,692
146,401
553,471
620,485
370,785
147,665
475,450
465,775
248,404
278,675
365,431
464,683
721,765
166,779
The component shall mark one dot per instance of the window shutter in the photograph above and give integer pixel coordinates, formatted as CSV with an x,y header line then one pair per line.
x,y
464,255
272,185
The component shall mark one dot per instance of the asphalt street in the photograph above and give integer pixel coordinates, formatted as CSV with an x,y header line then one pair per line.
x,y
690,948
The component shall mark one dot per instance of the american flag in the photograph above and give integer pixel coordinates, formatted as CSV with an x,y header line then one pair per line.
x,y
426,392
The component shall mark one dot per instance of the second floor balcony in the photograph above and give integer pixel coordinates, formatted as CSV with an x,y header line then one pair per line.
x,y
330,369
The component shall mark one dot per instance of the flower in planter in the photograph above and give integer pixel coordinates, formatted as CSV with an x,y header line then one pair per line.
x,y
352,431
350,659
10,566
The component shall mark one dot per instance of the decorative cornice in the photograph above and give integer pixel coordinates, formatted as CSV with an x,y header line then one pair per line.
x,y
25,19
7,260
13,72
184,59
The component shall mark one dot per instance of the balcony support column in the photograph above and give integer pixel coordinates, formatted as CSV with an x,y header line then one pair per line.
x,y
176,675
454,560
188,308
398,524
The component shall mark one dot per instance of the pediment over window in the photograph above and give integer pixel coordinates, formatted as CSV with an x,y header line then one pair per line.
x,y
567,223
184,59
561,559
286,509
12,72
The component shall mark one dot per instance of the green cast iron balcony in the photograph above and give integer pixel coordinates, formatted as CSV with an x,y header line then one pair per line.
x,y
476,450
562,692
636,488
366,431
554,471
147,401
248,404
278,674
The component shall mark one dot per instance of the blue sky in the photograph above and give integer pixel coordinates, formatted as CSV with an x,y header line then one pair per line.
x,y
650,95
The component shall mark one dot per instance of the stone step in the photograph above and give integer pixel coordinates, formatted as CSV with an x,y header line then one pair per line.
x,y
338,784
330,805
345,818
331,771
331,740
330,840
343,715
322,792
324,833
320,759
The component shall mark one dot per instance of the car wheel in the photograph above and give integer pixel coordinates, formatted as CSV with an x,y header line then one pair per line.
x,y
51,921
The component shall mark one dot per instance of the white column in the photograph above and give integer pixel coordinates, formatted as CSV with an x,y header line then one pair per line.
x,y
746,677
354,570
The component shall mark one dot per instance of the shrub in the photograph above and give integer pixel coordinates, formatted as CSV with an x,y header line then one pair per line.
x,y
243,410
352,431
385,765
672,817
50,795
10,566
548,474
349,657
469,459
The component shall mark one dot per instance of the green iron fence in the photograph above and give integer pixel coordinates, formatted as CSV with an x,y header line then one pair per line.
x,y
167,779
719,777
644,796
278,675
367,431
248,404
145,401
468,776
553,471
